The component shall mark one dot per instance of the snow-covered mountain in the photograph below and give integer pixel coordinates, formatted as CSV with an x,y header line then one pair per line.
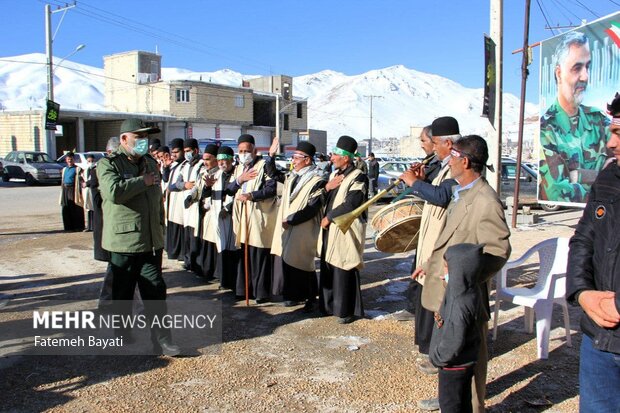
x,y
337,103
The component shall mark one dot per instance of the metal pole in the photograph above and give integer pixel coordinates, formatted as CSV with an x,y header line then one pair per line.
x,y
370,138
278,120
495,134
524,73
49,134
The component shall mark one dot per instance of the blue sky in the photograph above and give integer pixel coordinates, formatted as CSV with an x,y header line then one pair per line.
x,y
298,37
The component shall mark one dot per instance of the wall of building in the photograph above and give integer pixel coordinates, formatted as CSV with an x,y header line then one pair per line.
x,y
123,73
22,132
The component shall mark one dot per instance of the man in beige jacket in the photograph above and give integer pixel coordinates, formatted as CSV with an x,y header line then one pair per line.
x,y
475,215
444,133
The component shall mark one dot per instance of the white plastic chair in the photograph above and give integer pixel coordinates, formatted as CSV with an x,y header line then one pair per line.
x,y
550,288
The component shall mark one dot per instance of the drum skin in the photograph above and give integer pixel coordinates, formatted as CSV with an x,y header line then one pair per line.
x,y
397,226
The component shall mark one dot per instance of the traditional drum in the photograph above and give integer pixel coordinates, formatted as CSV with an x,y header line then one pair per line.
x,y
397,226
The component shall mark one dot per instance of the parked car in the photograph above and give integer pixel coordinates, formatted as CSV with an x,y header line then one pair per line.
x,y
388,174
282,163
79,158
528,184
34,167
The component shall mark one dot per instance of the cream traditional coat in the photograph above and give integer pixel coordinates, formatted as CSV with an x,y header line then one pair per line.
x,y
216,226
345,250
191,215
433,220
476,218
297,244
175,198
77,193
259,217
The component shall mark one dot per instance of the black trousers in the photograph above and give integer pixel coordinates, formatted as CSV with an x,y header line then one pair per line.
x,y
423,323
143,269
205,254
299,285
340,291
226,269
260,263
455,390
174,240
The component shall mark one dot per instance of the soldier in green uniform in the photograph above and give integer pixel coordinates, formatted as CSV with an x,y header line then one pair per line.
x,y
133,228
572,136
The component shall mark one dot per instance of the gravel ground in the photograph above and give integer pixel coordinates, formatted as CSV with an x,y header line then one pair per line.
x,y
273,358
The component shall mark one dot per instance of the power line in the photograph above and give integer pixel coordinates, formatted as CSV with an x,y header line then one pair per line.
x,y
583,6
156,33
560,5
545,16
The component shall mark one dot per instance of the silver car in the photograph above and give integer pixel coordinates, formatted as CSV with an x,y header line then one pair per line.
x,y
388,174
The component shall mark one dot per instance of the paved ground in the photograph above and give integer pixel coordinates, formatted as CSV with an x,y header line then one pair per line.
x,y
273,358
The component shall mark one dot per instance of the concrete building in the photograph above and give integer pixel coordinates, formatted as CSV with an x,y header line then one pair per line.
x,y
181,109
410,145
77,130
204,110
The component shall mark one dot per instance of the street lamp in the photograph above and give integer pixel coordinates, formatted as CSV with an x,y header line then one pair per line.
x,y
77,49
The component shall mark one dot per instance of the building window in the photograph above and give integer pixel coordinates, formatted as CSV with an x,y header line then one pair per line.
x,y
300,111
182,95
239,102
286,121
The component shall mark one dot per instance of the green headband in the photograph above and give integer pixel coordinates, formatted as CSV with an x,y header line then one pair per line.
x,y
342,152
223,156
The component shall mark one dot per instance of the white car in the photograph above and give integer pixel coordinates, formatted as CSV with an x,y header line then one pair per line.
x,y
80,158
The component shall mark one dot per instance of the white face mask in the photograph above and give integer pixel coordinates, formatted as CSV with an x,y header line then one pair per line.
x,y
245,158
189,156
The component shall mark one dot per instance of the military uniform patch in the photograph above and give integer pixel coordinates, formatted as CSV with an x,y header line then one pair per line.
x,y
600,212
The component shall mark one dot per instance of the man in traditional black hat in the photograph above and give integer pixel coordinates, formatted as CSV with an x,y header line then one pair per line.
x,y
297,229
190,169
174,201
254,219
342,253
221,225
206,253
445,132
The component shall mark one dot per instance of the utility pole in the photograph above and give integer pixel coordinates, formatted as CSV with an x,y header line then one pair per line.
x,y
49,40
496,131
370,137
524,63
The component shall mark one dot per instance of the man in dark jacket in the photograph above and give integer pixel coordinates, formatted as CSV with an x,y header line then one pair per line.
x,y
593,278
373,175
455,343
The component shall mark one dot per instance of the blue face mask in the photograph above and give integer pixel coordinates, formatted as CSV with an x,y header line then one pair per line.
x,y
140,147
189,156
446,277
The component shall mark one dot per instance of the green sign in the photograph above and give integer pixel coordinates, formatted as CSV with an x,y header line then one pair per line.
x,y
51,115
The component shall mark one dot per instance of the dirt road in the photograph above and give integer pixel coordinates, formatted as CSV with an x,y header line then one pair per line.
x,y
273,358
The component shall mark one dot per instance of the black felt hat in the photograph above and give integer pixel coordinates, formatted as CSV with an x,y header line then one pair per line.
x,y
211,149
176,143
225,150
445,126
246,138
347,143
190,143
306,147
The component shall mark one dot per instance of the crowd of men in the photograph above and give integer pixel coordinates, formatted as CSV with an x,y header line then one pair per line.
x,y
225,221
